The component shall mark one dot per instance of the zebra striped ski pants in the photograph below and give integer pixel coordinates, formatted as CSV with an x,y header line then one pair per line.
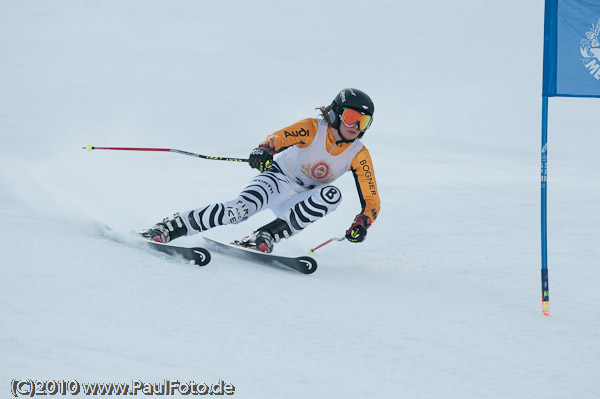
x,y
298,205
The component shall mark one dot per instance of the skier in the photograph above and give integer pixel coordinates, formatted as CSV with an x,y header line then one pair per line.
x,y
296,186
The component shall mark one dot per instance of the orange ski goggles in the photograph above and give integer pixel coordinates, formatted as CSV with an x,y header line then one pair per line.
x,y
351,117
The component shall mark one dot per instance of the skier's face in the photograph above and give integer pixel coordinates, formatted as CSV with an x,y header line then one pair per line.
x,y
349,133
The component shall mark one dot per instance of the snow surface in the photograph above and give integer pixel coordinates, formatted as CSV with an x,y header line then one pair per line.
x,y
443,298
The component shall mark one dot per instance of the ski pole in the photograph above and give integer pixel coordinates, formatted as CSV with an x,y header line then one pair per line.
x,y
312,250
90,148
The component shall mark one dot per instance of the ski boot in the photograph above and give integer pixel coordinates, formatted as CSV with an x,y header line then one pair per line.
x,y
165,231
264,239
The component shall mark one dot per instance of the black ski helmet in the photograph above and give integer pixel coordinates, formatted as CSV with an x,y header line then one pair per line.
x,y
350,98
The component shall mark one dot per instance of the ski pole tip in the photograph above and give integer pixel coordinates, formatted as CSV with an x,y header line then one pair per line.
x,y
311,251
545,308
88,148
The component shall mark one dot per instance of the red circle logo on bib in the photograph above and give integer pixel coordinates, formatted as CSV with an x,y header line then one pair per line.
x,y
320,171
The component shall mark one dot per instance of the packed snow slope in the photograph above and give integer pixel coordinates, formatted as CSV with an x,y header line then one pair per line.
x,y
443,298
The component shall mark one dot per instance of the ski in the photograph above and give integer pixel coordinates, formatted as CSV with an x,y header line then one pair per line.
x,y
198,255
303,264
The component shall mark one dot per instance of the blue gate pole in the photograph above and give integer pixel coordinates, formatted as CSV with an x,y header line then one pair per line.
x,y
544,175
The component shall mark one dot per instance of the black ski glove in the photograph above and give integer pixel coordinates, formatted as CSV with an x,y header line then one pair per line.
x,y
358,231
261,157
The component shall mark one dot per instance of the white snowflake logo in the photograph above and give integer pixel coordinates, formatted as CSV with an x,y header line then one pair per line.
x,y
590,46
590,50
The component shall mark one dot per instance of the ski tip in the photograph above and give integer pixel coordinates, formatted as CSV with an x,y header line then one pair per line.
x,y
309,265
202,257
546,308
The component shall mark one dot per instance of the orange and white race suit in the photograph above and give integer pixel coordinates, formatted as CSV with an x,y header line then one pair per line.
x,y
312,157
